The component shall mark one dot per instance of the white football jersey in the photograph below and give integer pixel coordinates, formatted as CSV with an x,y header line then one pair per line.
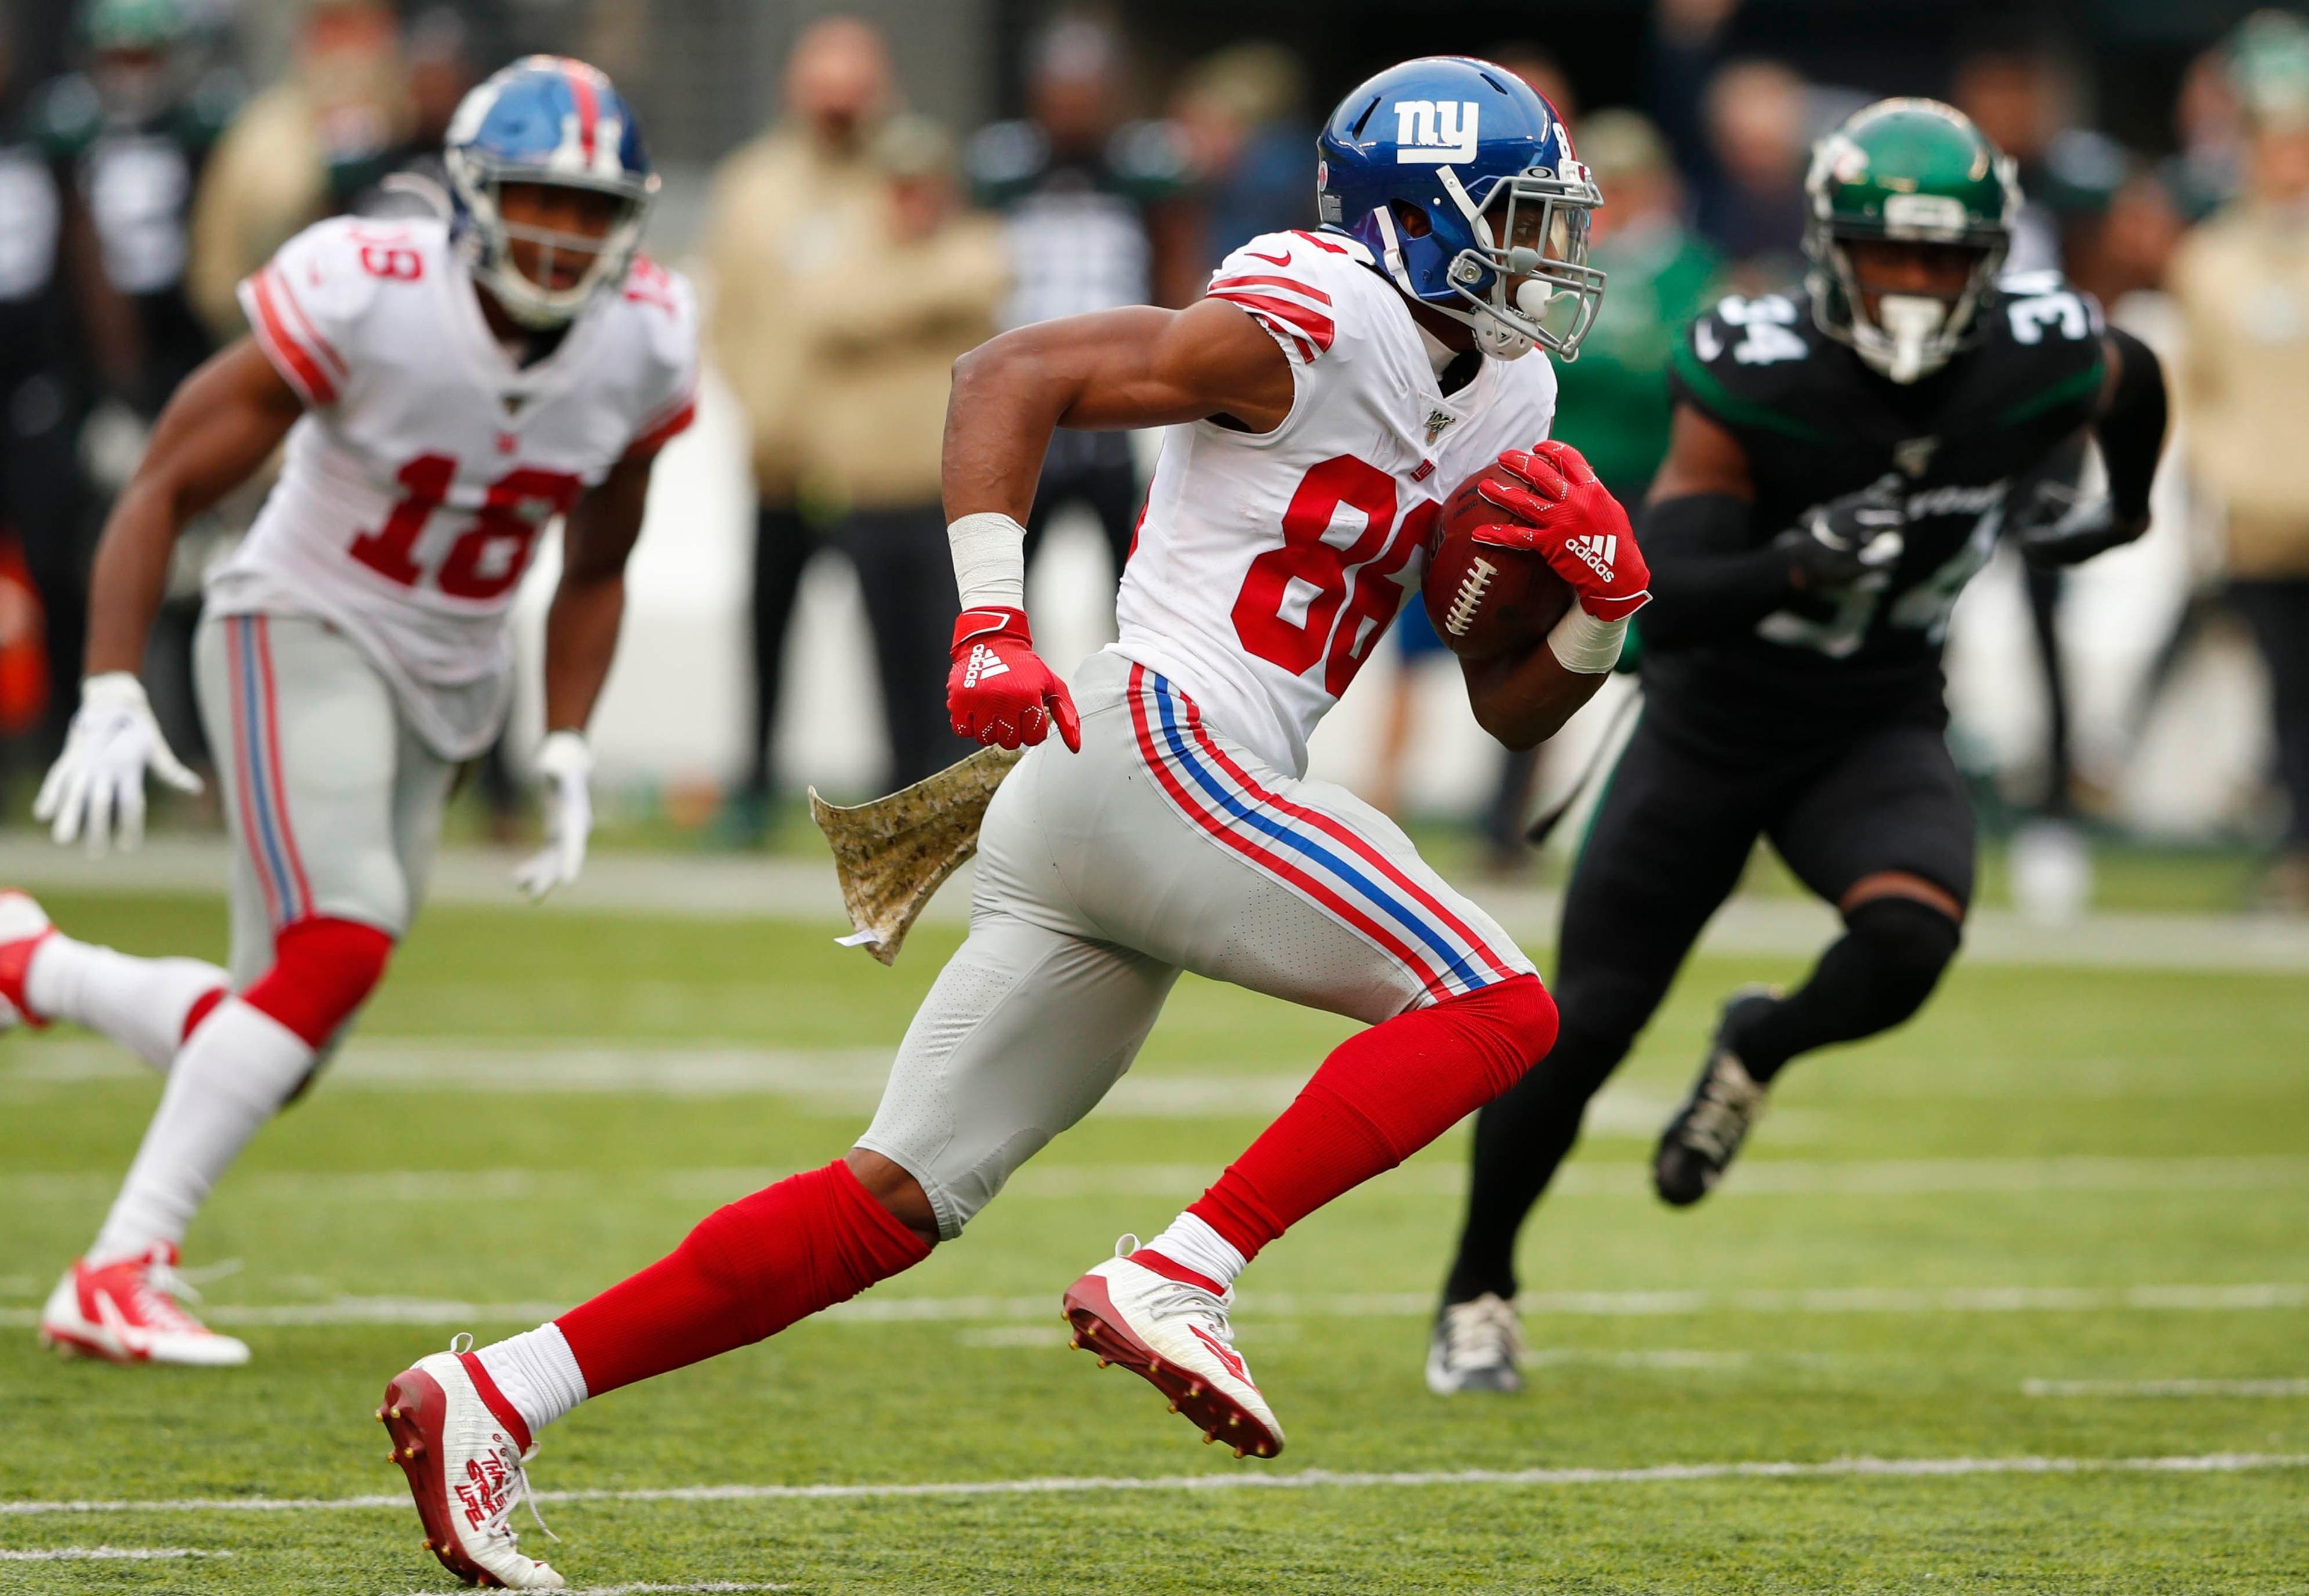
x,y
1268,566
428,464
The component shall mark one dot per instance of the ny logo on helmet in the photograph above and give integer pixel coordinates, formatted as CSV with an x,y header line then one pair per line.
x,y
1434,132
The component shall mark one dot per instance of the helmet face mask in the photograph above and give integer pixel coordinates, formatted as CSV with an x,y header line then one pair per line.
x,y
1913,172
1910,332
557,123
1483,171
1525,280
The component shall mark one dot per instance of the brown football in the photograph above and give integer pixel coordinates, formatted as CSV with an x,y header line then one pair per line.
x,y
1486,602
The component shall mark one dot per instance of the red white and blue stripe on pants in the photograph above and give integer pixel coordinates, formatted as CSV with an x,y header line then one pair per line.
x,y
1319,855
261,797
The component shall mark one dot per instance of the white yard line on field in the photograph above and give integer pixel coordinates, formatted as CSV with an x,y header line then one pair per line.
x,y
105,1554
843,1080
1798,1303
1074,1183
750,887
1894,1467
2280,1387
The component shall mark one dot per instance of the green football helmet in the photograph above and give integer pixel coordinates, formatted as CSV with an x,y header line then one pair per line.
x,y
1909,171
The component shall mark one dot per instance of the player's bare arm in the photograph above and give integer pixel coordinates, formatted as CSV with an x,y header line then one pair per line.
x,y
589,604
1107,371
222,425
1523,703
580,640
1551,504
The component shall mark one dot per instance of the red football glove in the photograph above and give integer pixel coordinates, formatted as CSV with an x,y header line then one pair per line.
x,y
1565,515
998,692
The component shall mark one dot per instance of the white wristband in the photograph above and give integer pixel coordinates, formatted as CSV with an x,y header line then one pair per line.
x,y
990,560
1584,645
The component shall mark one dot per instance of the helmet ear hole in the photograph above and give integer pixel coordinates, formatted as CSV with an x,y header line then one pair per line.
x,y
1410,219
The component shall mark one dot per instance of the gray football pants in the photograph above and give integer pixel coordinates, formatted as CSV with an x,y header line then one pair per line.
x,y
333,802
1162,846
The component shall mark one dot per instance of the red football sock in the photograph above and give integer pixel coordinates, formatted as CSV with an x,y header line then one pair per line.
x,y
1381,1097
747,1272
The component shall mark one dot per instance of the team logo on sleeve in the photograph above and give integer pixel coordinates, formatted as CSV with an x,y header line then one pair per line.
x,y
1434,132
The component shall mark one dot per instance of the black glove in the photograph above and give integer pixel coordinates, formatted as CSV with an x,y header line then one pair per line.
x,y
2058,523
1838,543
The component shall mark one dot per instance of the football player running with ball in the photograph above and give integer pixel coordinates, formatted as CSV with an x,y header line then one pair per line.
x,y
1841,465
447,389
1331,389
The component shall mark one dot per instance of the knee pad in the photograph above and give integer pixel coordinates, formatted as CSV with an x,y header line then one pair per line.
x,y
323,969
1912,941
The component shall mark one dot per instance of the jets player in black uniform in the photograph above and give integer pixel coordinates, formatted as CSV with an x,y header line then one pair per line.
x,y
1842,463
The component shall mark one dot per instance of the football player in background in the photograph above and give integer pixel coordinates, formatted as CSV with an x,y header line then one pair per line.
x,y
1840,465
447,389
1333,387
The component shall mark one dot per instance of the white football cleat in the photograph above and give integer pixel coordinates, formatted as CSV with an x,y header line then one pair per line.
x,y
1175,1334
465,1468
130,1312
24,927
1474,1347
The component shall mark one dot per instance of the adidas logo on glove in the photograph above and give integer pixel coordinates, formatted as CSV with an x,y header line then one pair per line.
x,y
983,662
1596,551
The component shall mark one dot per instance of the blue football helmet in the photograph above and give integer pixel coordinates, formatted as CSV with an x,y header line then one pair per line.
x,y
1472,148
546,119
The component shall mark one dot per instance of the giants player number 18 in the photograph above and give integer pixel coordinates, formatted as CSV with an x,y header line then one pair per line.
x,y
446,392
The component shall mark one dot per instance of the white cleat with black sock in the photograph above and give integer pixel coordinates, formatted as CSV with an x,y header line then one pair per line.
x,y
1475,1347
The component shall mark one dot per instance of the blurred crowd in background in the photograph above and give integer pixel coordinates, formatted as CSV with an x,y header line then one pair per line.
x,y
853,248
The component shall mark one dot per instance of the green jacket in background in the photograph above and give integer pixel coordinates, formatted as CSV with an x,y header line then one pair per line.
x,y
1612,403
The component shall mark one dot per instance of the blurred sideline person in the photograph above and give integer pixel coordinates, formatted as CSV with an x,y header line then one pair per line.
x,y
1092,211
1161,819
2021,94
881,325
445,393
1615,401
1242,115
299,151
796,200
133,136
44,385
2242,281
1738,131
1754,210
1839,465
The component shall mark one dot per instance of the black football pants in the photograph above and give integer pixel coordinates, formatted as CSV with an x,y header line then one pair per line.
x,y
905,574
1671,836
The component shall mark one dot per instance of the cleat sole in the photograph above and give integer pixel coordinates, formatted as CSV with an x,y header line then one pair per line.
x,y
1091,1312
411,1400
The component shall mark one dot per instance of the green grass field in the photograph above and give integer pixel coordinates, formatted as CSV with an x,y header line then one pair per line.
x,y
1979,1250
